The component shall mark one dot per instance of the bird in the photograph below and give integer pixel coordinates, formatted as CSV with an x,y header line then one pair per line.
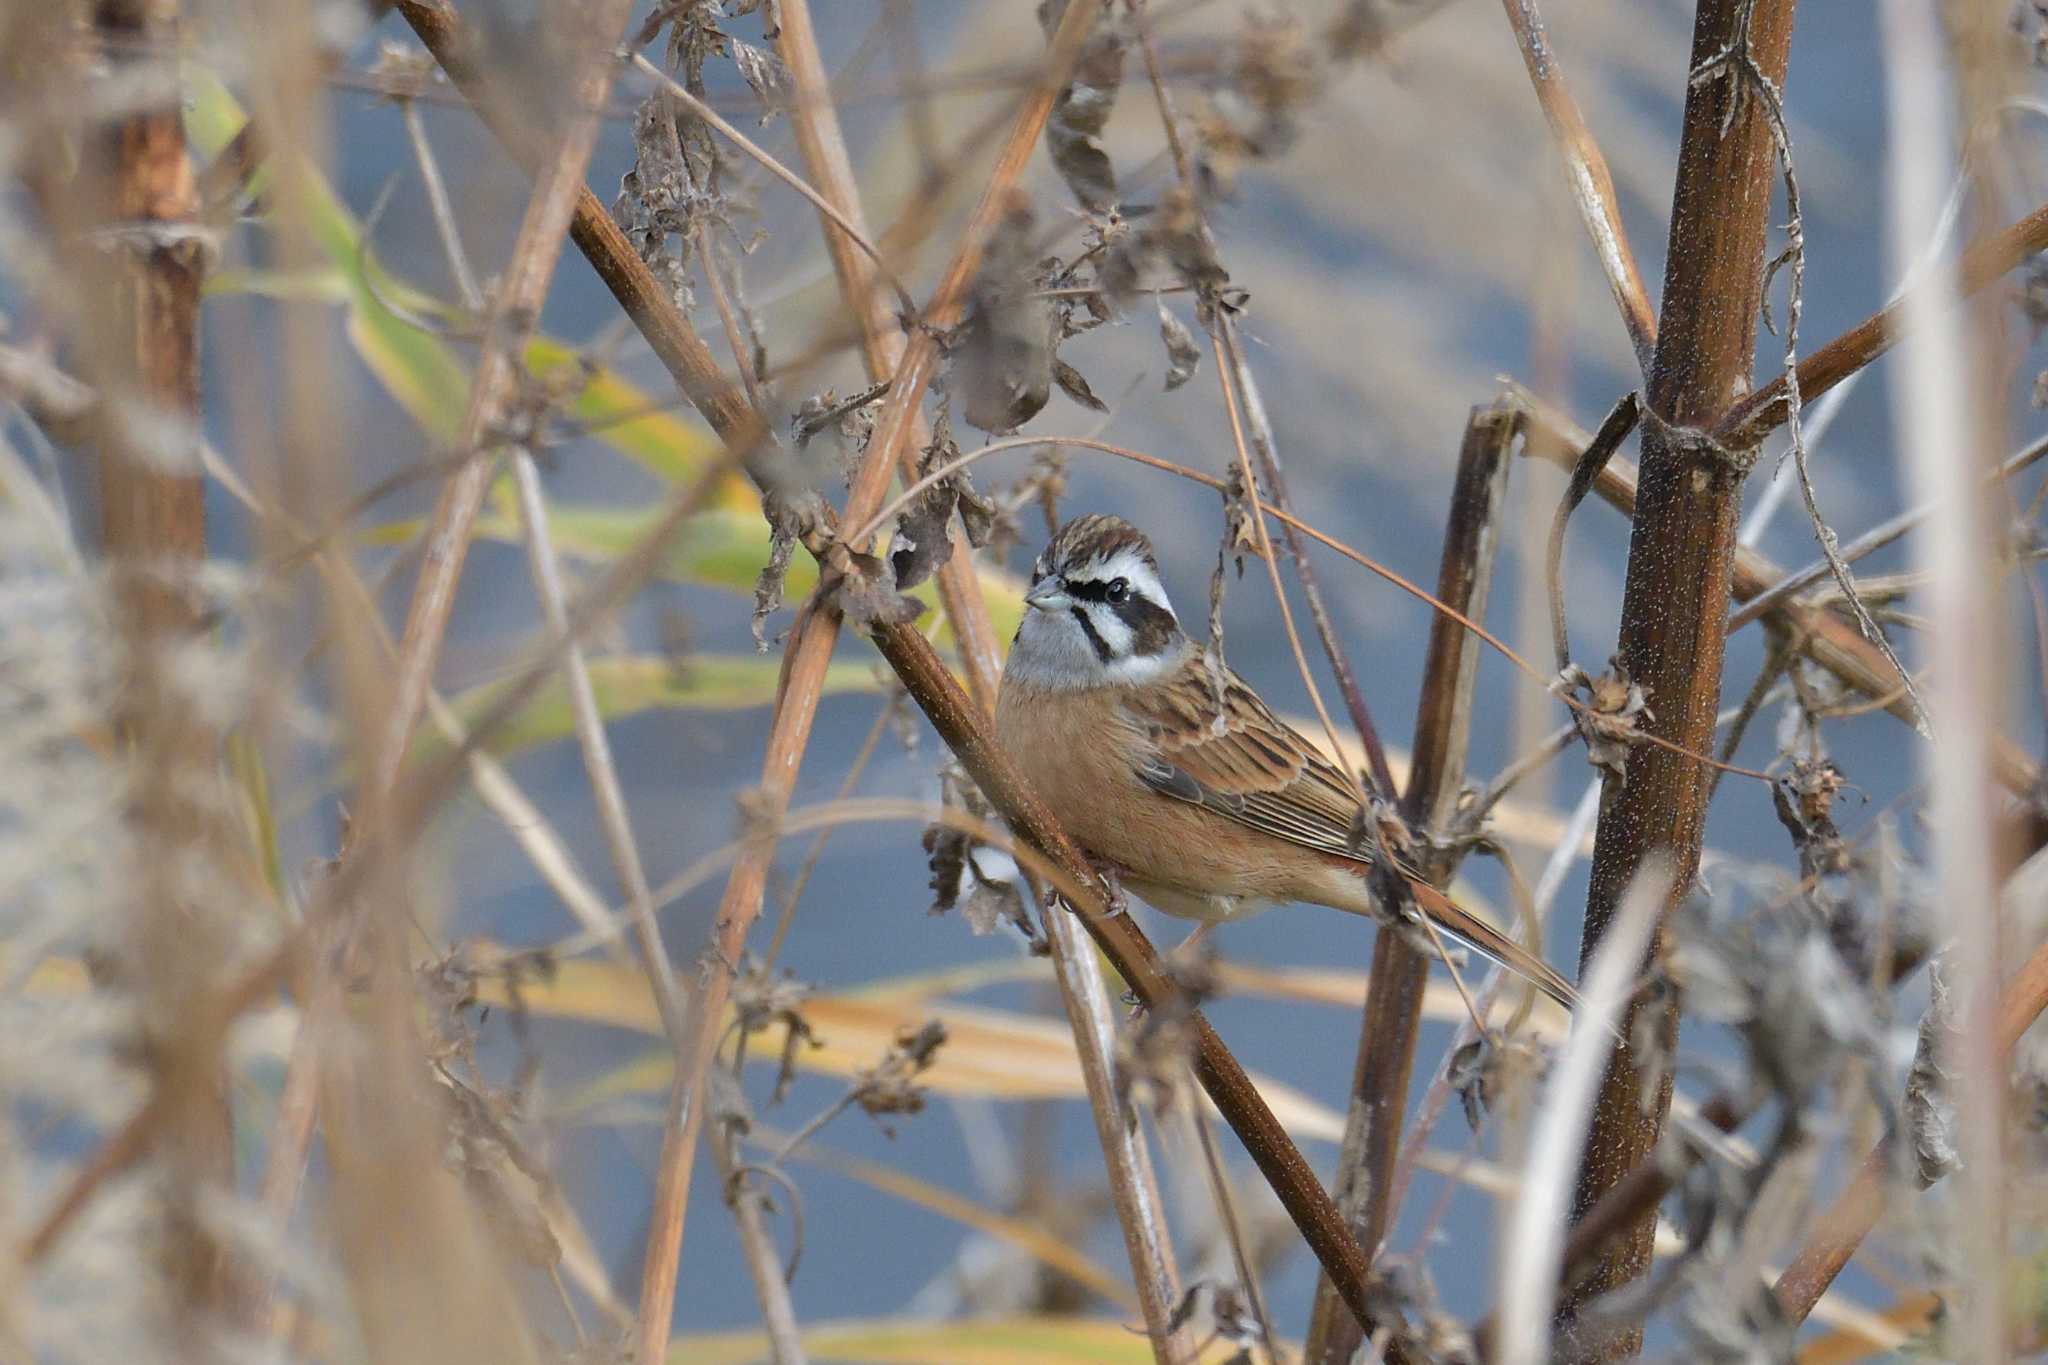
x,y
1200,799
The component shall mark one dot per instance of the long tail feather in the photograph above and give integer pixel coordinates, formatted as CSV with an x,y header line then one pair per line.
x,y
1482,937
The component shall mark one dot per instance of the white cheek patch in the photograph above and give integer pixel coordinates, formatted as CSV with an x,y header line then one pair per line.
x,y
1053,652
1109,628
1135,669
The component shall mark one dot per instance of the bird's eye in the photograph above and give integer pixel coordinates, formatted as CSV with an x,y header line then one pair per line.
x,y
1118,590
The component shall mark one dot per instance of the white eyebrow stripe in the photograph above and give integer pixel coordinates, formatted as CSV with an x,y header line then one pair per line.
x,y
1128,564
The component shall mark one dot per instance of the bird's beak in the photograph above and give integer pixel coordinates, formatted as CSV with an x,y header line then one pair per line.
x,y
1048,594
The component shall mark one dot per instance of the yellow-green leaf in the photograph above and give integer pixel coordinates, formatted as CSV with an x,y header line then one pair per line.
x,y
629,684
420,370
980,1341
1027,1236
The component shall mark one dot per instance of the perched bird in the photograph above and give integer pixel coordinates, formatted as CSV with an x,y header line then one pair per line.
x,y
1208,812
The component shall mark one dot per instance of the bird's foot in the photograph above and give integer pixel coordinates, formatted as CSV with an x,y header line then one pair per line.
x,y
1112,886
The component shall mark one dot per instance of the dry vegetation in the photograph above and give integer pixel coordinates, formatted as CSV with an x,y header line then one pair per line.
x,y
880,304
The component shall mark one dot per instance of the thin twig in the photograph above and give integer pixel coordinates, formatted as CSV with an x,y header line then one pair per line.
x,y
443,210
605,788
1532,1246
807,655
1591,186
764,1267
522,287
1232,1223
682,96
1586,470
1261,431
1736,65
1984,263
1876,538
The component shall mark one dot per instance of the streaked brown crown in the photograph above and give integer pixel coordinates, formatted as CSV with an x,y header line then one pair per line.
x,y
1090,539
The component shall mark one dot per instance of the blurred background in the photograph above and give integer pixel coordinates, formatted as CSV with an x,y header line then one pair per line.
x,y
1410,246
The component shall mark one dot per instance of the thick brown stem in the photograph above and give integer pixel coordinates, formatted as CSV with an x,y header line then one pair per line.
x,y
140,286
1392,1018
1675,604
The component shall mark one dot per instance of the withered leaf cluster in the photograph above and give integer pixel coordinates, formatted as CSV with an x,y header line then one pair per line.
x,y
957,882
1005,356
1073,132
763,999
1610,718
923,541
891,1085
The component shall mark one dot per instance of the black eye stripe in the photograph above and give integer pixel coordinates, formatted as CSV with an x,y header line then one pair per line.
x,y
1094,636
1097,590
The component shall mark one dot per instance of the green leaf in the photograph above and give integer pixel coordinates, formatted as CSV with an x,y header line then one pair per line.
x,y
634,423
422,372
627,685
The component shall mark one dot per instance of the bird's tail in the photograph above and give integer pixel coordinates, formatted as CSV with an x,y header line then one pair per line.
x,y
1482,937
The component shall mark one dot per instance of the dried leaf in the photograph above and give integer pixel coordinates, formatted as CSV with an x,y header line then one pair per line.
x,y
1073,132
891,1086
958,879
1075,385
923,541
1614,706
1930,1098
765,73
1182,355
859,586
782,534
1003,353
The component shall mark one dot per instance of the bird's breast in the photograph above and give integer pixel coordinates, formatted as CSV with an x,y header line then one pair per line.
x,y
1081,755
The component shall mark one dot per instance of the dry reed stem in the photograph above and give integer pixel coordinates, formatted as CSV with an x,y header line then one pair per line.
x,y
815,121
613,815
1592,187
1942,405
1127,1161
136,256
807,656
1390,1022
1675,600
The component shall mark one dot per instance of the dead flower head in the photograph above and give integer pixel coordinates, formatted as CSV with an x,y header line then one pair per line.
x,y
891,1085
1610,715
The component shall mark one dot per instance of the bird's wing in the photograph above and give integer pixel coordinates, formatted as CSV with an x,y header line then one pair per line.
x,y
1257,770
1253,768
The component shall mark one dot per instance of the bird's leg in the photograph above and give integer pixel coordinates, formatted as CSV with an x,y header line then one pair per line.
x,y
1112,886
